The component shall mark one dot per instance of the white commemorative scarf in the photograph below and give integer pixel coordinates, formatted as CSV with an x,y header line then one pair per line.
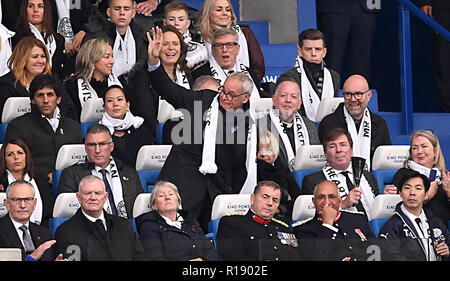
x,y
121,124
424,170
208,165
182,81
250,162
221,75
54,121
51,42
85,90
64,26
124,51
6,49
196,52
361,139
116,188
300,134
339,179
310,98
243,52
36,216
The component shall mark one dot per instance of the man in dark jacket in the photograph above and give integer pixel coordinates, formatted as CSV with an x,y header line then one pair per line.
x,y
45,129
414,233
338,147
35,241
316,81
333,234
122,182
94,235
368,130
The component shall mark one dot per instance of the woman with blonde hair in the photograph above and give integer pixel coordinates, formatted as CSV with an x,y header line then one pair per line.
x,y
28,60
426,157
215,14
93,72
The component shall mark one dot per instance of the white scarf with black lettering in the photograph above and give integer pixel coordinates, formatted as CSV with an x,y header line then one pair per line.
x,y
362,139
196,52
335,176
310,98
85,90
221,75
116,188
124,51
36,216
209,165
50,44
115,124
181,80
250,162
300,134
64,26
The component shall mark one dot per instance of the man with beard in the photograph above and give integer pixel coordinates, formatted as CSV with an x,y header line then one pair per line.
x,y
368,130
316,80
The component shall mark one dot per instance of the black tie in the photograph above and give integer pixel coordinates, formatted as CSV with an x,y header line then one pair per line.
x,y
110,194
350,185
419,223
230,72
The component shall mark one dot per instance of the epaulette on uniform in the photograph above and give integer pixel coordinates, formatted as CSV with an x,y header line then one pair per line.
x,y
353,212
280,222
301,222
233,214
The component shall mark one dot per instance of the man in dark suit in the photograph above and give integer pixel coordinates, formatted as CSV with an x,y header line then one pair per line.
x,y
17,231
121,181
46,128
338,148
349,26
257,235
368,130
316,81
333,234
439,10
98,235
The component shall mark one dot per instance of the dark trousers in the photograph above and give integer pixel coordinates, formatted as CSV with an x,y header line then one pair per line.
x,y
351,32
441,60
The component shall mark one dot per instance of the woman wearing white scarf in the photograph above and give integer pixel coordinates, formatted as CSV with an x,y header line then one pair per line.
x,y
216,14
128,131
426,157
16,164
35,19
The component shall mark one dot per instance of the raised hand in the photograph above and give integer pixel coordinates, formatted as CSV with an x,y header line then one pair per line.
x,y
154,45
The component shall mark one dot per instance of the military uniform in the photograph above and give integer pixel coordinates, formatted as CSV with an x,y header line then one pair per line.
x,y
249,237
348,237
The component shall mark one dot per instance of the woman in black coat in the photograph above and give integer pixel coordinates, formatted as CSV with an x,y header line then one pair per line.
x,y
168,233
129,132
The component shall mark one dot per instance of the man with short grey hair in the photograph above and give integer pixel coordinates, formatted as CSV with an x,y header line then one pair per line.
x,y
95,234
17,231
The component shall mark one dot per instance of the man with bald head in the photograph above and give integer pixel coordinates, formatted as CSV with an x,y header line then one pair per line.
x,y
368,130
333,234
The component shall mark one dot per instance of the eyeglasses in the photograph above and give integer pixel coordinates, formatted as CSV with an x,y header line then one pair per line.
x,y
101,145
229,95
17,200
228,45
357,95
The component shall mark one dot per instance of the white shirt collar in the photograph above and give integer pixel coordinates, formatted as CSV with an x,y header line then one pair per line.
x,y
92,219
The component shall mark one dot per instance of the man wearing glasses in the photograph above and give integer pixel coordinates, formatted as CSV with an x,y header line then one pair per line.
x,y
332,234
367,129
35,241
223,60
121,182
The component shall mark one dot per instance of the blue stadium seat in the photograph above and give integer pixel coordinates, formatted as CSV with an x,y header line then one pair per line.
x,y
66,205
84,127
91,113
159,133
383,177
13,107
300,174
303,209
383,208
149,162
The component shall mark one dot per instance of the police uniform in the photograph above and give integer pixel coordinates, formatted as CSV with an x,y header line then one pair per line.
x,y
348,237
249,237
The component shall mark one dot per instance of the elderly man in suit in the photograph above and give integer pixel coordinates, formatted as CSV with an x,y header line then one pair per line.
x,y
98,235
122,182
17,231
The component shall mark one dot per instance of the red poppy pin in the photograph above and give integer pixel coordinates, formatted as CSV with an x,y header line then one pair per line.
x,y
2,188
193,228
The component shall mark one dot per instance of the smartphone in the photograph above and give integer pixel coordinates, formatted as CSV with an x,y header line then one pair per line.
x,y
432,175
